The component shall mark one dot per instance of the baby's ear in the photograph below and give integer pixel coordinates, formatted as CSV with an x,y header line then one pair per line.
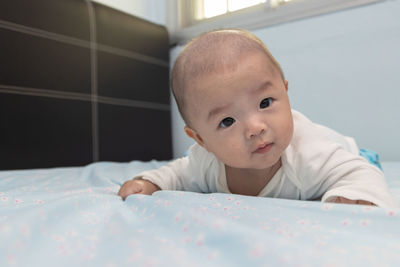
x,y
287,85
194,135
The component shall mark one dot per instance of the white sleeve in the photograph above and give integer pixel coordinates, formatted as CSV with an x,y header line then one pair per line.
x,y
323,168
189,173
343,174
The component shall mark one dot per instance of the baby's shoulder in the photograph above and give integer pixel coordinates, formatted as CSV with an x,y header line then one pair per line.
x,y
309,135
198,155
197,151
305,132
309,149
205,166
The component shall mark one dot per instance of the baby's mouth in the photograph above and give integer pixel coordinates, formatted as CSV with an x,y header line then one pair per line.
x,y
263,148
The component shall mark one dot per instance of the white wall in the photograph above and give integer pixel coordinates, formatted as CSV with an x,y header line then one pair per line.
x,y
344,72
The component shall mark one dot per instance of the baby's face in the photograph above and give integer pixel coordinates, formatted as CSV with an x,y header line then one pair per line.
x,y
243,116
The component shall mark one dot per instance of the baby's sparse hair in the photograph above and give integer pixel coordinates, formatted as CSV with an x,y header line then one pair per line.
x,y
212,52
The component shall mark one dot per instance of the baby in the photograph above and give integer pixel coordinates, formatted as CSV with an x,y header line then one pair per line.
x,y
233,97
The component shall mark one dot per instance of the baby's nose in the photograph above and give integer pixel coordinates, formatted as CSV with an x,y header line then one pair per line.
x,y
255,127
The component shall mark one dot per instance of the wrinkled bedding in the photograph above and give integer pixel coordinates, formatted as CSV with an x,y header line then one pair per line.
x,y
73,217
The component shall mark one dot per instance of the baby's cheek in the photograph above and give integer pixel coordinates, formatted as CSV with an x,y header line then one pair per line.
x,y
231,154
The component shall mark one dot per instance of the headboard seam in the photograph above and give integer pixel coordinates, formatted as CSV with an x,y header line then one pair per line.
x,y
11,89
93,74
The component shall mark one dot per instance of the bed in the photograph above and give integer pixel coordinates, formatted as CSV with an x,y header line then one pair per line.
x,y
73,217
84,106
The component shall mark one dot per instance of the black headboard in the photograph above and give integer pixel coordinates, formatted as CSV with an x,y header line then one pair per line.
x,y
79,83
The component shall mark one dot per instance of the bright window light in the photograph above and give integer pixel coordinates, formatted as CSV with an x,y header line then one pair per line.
x,y
234,5
214,8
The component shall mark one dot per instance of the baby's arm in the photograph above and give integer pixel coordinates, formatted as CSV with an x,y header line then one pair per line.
x,y
137,186
352,180
327,168
196,172
167,177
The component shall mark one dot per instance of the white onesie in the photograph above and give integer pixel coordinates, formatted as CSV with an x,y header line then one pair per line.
x,y
319,163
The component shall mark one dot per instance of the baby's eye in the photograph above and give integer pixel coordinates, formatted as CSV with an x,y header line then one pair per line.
x,y
225,123
266,102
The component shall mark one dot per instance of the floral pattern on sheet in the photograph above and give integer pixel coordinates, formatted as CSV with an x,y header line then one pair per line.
x,y
73,217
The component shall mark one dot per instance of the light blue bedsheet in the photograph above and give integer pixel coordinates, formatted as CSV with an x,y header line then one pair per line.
x,y
73,217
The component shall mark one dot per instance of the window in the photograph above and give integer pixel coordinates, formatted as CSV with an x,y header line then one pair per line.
x,y
188,18
211,8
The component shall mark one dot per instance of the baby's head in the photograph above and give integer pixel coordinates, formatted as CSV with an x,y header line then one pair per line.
x,y
232,94
212,52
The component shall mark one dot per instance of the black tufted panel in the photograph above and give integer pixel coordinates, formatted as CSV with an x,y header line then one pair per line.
x,y
81,82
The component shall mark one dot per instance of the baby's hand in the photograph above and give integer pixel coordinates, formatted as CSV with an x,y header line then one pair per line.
x,y
349,201
137,186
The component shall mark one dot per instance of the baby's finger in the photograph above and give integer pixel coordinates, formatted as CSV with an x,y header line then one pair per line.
x,y
364,202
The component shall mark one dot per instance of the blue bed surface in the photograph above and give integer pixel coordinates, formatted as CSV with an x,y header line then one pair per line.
x,y
73,217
